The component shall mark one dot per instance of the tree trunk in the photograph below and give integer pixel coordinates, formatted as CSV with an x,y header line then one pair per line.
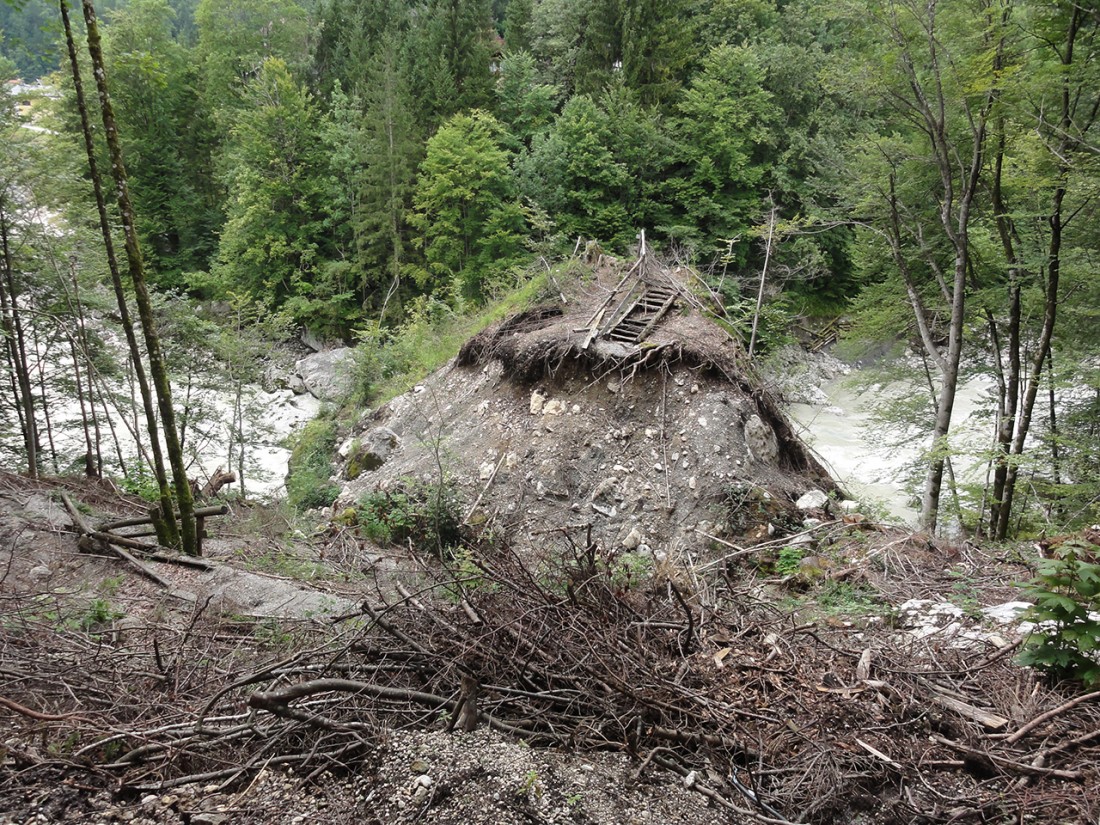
x,y
1009,372
167,532
157,365
763,278
958,163
16,345
1062,149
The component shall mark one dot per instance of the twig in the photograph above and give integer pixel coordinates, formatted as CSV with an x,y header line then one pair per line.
x,y
41,717
1050,714
1018,767
875,752
488,484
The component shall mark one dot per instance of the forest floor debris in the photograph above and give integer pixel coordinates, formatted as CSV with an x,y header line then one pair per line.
x,y
753,691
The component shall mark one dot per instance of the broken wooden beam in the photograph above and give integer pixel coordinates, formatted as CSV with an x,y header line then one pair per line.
x,y
200,512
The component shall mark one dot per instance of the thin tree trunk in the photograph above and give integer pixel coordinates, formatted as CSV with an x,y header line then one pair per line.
x,y
763,279
43,398
82,331
89,461
114,433
1010,383
188,536
17,353
1055,457
959,185
1031,391
1064,148
167,532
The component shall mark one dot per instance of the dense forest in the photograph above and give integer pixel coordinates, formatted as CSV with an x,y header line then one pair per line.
x,y
363,169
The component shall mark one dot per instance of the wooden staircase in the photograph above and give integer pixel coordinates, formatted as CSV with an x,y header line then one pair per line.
x,y
637,319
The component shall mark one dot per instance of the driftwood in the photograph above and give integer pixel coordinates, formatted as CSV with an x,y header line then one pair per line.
x,y
220,479
987,719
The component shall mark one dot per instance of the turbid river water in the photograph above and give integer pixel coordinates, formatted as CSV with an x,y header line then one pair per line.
x,y
871,460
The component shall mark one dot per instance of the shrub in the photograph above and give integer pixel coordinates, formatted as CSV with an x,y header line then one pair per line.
x,y
428,515
1066,592
309,471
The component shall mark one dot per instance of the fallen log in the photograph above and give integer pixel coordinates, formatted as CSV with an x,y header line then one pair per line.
x,y
200,512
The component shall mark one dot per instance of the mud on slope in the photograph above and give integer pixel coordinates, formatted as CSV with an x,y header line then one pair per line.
x,y
643,443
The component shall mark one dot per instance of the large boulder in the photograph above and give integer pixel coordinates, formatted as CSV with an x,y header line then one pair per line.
x,y
377,446
325,375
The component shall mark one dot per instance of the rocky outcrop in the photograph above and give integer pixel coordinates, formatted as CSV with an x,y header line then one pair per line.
x,y
324,375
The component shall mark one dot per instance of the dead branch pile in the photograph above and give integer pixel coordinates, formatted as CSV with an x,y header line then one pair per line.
x,y
774,721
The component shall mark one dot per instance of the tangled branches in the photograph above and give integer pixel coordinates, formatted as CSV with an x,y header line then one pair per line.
x,y
773,720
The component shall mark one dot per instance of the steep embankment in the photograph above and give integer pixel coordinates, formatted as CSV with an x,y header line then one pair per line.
x,y
557,419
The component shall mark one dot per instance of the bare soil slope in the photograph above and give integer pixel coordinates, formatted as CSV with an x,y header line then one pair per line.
x,y
541,426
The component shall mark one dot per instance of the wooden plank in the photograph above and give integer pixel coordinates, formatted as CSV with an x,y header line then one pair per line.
x,y
594,330
660,314
989,720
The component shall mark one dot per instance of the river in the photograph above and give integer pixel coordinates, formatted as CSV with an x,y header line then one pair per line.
x,y
872,461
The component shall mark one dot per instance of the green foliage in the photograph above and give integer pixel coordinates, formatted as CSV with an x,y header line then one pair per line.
x,y
773,324
1066,592
98,613
140,482
379,188
844,599
308,481
726,122
27,33
167,136
525,106
274,243
389,362
466,206
236,38
449,50
789,561
517,25
427,515
598,170
629,570
530,786
468,574
656,47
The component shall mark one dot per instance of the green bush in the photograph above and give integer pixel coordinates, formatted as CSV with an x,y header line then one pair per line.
x,y
140,482
389,361
1066,592
428,515
99,613
789,561
309,471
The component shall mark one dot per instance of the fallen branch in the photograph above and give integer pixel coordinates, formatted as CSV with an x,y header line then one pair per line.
x,y
1050,714
137,521
89,542
989,720
23,710
1017,767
